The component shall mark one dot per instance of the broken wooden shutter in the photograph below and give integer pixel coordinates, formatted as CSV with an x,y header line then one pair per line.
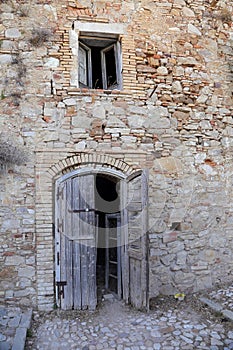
x,y
136,212
110,67
118,64
84,66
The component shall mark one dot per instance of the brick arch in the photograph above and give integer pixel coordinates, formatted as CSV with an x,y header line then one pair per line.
x,y
46,182
68,164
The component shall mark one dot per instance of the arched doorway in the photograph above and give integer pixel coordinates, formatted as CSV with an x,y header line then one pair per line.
x,y
100,238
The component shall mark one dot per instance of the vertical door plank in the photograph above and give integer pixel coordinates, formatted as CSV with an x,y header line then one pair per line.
x,y
84,275
77,293
91,244
135,283
58,232
83,243
92,281
137,235
77,276
68,289
119,267
63,272
124,241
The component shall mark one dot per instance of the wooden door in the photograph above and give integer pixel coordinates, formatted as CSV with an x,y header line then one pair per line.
x,y
135,262
75,244
113,254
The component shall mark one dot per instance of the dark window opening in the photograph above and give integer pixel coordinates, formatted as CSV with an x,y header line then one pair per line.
x,y
99,62
96,69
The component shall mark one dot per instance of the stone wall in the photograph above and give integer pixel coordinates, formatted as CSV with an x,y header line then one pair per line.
x,y
173,116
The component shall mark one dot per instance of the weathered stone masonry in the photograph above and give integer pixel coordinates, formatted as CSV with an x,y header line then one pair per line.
x,y
173,116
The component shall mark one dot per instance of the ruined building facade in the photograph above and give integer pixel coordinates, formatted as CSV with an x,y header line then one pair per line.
x,y
124,110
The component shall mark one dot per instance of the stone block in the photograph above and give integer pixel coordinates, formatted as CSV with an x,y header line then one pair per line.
x,y
5,59
228,314
213,305
114,122
170,237
28,272
162,71
188,12
194,30
10,224
176,87
20,338
26,319
24,292
52,63
184,279
99,112
12,33
14,260
81,120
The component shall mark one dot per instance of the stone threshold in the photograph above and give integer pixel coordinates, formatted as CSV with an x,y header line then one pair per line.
x,y
217,307
21,332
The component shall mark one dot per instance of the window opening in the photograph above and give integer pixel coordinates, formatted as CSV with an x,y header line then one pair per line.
x,y
99,62
96,69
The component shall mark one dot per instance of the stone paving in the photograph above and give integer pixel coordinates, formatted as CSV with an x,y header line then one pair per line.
x,y
170,325
115,326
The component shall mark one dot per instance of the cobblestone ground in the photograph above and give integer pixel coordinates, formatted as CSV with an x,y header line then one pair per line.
x,y
168,326
224,296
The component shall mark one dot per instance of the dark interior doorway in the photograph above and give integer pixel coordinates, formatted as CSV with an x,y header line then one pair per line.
x,y
107,203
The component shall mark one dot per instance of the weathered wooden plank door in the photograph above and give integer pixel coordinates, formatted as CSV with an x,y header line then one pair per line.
x,y
135,269
75,244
